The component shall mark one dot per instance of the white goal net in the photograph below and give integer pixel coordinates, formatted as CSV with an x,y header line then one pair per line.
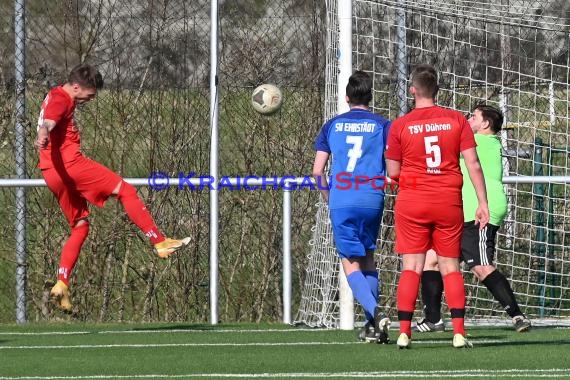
x,y
513,54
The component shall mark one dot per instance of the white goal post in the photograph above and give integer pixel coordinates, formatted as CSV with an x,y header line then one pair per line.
x,y
513,54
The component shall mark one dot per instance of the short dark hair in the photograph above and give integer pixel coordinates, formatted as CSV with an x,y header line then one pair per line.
x,y
424,79
86,76
359,88
492,115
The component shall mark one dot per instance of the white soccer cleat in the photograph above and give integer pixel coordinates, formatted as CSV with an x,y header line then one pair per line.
x,y
459,341
404,341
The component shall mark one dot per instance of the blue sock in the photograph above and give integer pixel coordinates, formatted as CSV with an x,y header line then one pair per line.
x,y
362,293
373,282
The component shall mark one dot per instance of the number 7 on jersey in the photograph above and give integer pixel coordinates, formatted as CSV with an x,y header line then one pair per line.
x,y
355,152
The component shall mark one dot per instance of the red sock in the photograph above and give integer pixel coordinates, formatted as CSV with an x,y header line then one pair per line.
x,y
138,214
70,251
406,296
454,288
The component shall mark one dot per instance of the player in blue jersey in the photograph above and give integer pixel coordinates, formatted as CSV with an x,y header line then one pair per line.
x,y
356,140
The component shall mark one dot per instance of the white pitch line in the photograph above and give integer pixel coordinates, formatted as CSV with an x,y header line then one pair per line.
x,y
260,344
181,331
477,373
163,345
155,331
222,331
45,333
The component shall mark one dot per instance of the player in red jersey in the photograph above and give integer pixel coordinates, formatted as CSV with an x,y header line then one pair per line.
x,y
424,145
76,180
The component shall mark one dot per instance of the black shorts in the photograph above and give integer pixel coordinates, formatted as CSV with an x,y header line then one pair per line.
x,y
478,246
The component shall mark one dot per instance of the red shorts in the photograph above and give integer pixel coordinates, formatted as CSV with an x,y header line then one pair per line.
x,y
79,182
421,226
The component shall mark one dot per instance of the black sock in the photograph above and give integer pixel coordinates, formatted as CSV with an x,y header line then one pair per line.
x,y
500,288
432,289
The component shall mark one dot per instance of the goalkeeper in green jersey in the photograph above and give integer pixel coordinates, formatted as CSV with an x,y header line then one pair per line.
x,y
477,246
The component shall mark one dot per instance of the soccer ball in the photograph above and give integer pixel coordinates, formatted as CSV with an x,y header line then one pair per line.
x,y
266,99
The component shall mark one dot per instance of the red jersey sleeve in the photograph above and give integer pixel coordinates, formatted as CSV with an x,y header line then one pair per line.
x,y
394,145
467,136
55,107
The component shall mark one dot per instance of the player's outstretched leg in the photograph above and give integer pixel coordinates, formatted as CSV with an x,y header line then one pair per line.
x,y
500,288
139,215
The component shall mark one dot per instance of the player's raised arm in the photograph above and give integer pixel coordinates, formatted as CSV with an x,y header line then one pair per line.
x,y
476,174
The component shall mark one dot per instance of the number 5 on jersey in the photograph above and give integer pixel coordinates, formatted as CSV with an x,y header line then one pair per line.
x,y
433,151
355,152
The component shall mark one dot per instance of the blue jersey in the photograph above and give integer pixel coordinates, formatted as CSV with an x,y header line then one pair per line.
x,y
356,140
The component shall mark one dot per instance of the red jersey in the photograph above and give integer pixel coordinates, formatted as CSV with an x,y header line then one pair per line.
x,y
64,141
428,141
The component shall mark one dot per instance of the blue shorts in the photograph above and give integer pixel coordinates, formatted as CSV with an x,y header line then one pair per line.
x,y
355,230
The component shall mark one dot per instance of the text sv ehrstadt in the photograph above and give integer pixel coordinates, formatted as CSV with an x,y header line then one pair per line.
x,y
344,181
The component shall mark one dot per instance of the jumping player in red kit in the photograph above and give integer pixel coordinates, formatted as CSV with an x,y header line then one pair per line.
x,y
425,145
76,180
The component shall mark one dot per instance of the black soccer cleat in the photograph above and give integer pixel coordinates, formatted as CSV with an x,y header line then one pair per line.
x,y
367,334
522,323
381,326
423,325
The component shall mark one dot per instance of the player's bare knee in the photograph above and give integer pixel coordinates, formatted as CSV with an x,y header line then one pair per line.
x,y
367,263
81,228
431,261
81,222
482,271
448,265
413,262
350,265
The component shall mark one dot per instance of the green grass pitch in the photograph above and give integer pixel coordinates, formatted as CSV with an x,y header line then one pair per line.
x,y
188,351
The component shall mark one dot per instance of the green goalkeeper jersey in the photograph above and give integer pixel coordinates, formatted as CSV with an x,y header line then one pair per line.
x,y
489,152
